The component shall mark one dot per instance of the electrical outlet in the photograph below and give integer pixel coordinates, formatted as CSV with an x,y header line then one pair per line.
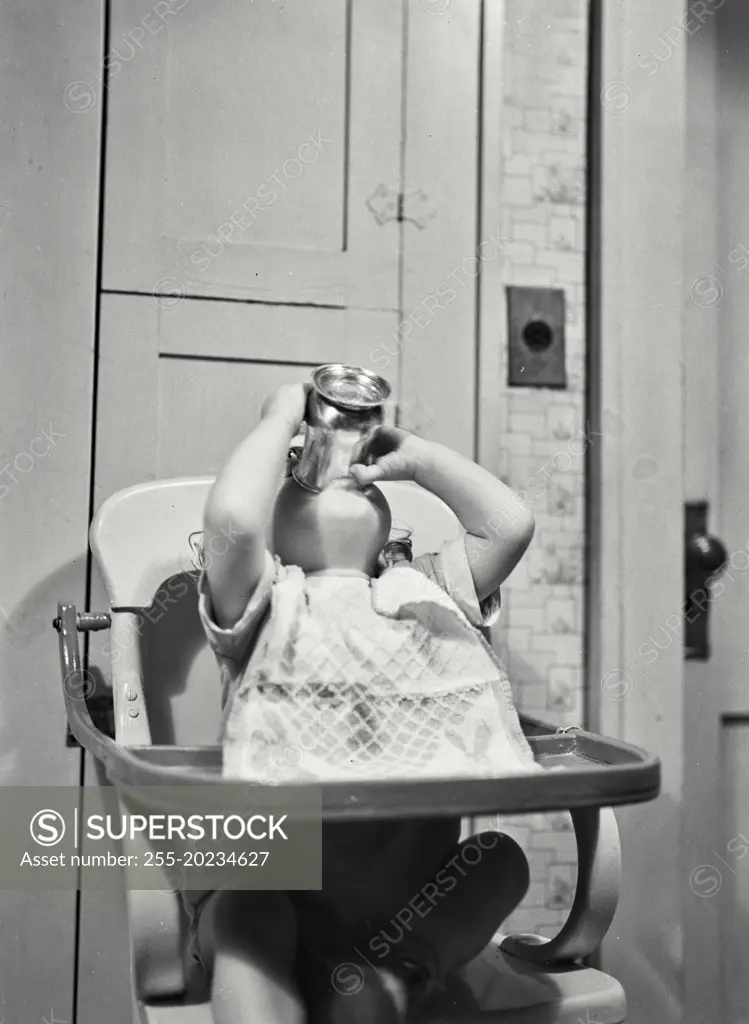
x,y
536,338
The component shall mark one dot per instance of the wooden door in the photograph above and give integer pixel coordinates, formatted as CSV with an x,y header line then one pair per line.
x,y
716,439
243,142
216,291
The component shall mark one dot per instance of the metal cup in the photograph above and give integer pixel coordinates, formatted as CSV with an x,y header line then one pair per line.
x,y
344,408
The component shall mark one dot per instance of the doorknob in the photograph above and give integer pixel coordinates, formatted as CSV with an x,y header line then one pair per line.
x,y
704,557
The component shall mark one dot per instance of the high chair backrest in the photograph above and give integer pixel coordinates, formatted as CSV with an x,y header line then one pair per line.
x,y
141,542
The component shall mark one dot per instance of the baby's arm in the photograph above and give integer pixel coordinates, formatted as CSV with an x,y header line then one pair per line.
x,y
240,505
498,525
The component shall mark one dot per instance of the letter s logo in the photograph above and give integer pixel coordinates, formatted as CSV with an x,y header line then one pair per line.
x,y
47,827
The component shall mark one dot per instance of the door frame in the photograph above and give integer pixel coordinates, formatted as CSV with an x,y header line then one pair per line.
x,y
702,413
636,479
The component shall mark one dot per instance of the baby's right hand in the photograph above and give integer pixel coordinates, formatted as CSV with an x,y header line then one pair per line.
x,y
392,454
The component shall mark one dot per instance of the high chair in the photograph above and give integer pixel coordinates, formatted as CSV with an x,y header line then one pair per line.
x,y
166,717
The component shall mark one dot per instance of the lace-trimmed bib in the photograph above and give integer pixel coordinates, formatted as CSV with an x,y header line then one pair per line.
x,y
370,679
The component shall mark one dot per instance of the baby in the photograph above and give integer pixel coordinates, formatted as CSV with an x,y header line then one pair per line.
x,y
289,958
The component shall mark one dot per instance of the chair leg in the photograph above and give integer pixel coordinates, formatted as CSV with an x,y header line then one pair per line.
x,y
596,896
157,939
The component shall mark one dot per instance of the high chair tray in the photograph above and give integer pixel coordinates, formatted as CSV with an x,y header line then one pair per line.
x,y
584,770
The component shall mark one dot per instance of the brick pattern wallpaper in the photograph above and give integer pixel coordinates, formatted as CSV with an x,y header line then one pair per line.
x,y
540,636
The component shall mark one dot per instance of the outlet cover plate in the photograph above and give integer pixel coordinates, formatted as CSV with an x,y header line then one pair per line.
x,y
536,357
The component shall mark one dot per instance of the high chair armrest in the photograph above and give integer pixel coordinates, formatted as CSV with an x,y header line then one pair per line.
x,y
596,896
155,917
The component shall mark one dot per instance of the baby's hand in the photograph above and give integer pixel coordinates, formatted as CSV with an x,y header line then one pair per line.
x,y
392,454
290,403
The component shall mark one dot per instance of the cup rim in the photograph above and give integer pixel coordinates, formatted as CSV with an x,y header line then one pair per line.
x,y
342,370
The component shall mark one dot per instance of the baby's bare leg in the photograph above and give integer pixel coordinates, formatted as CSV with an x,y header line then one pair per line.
x,y
253,936
445,925
456,915
453,917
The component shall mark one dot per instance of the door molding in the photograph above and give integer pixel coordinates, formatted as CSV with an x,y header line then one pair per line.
x,y
491,421
703,812
635,585
440,268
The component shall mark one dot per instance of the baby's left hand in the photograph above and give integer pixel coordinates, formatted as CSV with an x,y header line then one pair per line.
x,y
392,454
289,402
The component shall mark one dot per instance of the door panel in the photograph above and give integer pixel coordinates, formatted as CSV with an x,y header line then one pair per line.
x,y
244,142
179,388
239,143
213,407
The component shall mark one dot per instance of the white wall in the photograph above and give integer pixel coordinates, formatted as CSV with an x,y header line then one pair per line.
x,y
48,232
534,437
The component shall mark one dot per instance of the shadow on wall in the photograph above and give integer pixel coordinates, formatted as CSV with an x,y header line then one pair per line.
x,y
181,677
174,653
33,753
32,713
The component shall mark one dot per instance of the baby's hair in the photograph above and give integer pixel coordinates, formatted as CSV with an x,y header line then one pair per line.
x,y
399,547
195,540
397,551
